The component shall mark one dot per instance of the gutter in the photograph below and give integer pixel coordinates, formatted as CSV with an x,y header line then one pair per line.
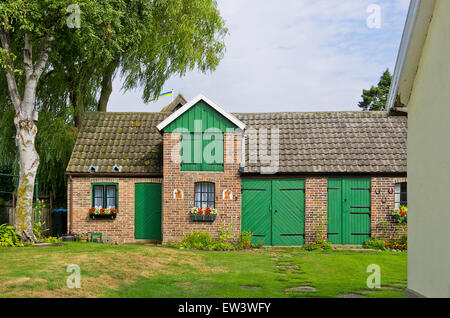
x,y
114,175
414,35
404,45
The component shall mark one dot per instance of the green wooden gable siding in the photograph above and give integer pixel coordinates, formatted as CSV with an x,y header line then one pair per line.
x,y
209,119
200,111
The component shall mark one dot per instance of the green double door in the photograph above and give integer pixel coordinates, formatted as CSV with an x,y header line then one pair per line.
x,y
348,211
274,210
147,207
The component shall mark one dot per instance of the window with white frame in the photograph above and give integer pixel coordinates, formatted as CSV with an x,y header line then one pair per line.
x,y
400,195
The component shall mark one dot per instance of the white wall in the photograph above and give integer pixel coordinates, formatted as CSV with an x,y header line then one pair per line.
x,y
429,163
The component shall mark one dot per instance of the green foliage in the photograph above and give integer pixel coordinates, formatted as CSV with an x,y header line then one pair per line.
x,y
401,244
149,41
226,233
245,239
51,240
38,225
199,240
318,244
375,244
375,98
202,240
8,236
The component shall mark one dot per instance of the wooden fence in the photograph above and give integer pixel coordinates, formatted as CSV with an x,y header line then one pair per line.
x,y
46,218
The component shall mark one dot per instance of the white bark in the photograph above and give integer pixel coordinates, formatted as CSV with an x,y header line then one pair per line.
x,y
26,129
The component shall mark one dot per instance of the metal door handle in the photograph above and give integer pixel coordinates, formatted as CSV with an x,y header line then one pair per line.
x,y
276,211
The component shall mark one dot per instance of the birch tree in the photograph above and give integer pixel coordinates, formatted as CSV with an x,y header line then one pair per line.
x,y
27,34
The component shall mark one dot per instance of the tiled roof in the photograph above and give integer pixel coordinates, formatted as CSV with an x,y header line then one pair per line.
x,y
328,142
322,142
130,140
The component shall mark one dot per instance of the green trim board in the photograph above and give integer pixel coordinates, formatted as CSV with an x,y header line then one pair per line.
x,y
348,210
147,211
274,210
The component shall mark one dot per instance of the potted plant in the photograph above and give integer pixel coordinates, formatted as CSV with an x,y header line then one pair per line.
x,y
208,214
400,215
103,213
81,236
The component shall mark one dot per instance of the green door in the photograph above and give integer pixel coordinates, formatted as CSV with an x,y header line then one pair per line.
x,y
288,222
147,207
348,211
274,210
256,204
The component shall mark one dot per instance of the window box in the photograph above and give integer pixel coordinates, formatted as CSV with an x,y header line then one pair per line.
x,y
100,213
102,216
204,218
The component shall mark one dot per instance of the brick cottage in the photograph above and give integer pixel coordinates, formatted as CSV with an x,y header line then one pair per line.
x,y
286,177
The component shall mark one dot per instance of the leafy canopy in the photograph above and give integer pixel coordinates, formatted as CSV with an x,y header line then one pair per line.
x,y
375,98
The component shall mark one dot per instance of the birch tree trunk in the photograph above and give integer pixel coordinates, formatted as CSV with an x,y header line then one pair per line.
x,y
26,129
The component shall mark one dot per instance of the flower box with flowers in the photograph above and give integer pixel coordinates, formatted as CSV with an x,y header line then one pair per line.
x,y
103,213
207,215
400,216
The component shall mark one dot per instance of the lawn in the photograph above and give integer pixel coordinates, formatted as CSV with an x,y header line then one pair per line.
x,y
148,271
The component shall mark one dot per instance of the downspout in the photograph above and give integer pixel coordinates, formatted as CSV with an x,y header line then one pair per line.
x,y
70,204
242,165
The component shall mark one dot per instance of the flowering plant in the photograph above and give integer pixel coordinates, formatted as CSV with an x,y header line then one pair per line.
x,y
200,211
400,215
103,211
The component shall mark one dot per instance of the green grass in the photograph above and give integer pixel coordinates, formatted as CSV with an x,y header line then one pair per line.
x,y
146,271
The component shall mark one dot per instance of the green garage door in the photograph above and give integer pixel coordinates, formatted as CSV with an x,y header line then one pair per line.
x,y
348,211
274,210
147,207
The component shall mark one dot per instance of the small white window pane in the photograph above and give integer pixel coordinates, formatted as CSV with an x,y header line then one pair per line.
x,y
98,202
397,195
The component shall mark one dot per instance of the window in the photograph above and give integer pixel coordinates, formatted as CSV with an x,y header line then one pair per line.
x,y
400,194
202,151
204,194
104,195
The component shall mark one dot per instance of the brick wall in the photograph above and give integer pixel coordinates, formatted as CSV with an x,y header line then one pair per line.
x,y
120,230
175,212
315,208
383,202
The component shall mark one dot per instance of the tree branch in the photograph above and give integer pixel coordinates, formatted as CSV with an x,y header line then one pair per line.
x,y
27,57
9,70
43,58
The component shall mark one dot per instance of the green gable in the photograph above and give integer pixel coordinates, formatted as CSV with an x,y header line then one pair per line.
x,y
209,117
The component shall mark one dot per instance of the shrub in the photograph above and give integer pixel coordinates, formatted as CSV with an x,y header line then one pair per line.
x,y
245,239
8,236
374,243
259,244
198,239
401,244
202,240
50,239
318,244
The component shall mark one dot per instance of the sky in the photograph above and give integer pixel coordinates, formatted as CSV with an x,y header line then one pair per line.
x,y
290,55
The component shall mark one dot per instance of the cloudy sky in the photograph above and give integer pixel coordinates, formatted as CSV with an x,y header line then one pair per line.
x,y
291,55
